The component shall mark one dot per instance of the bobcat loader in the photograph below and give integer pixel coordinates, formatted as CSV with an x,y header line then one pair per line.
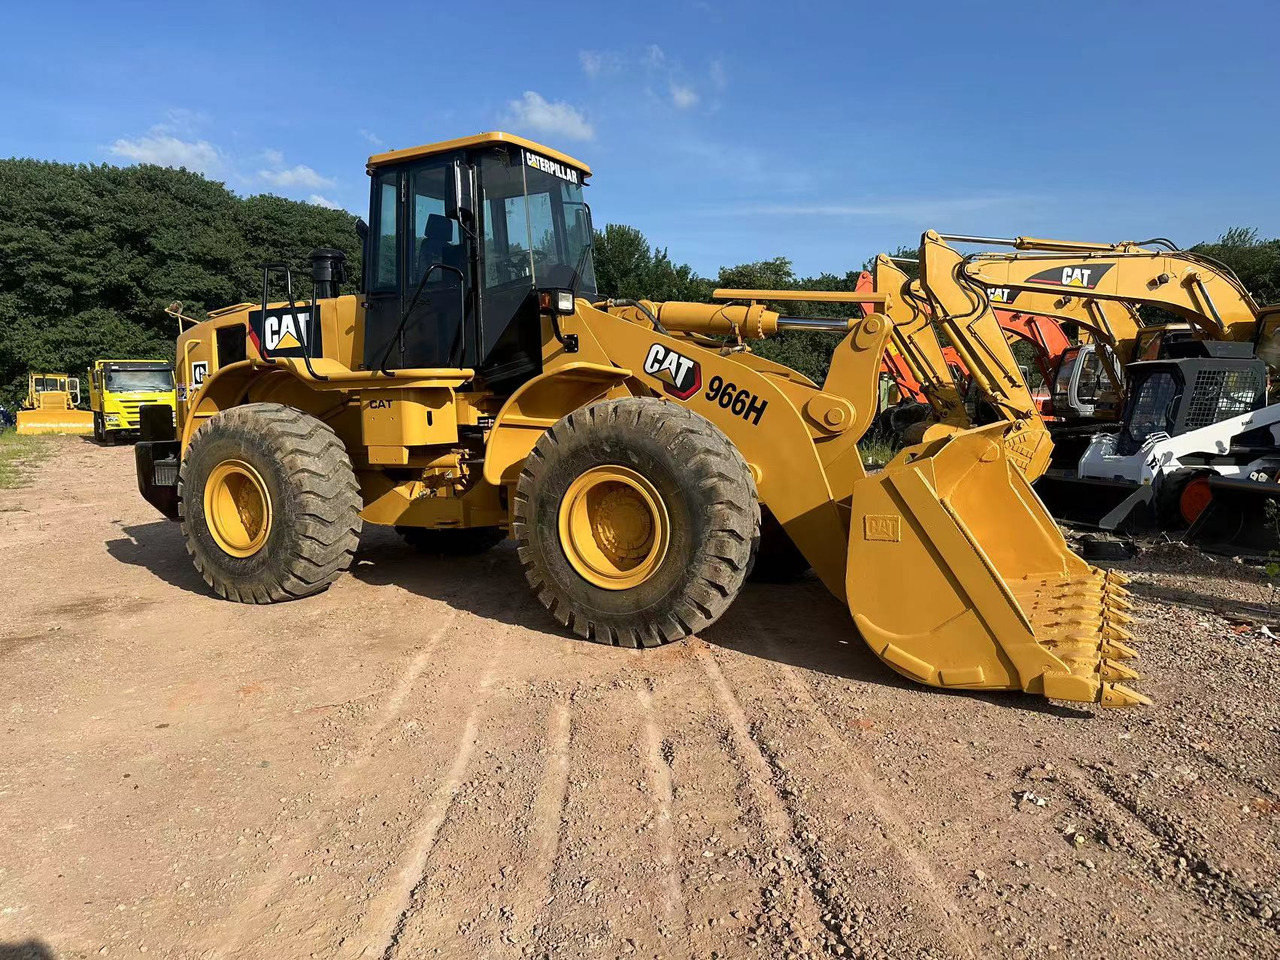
x,y
477,388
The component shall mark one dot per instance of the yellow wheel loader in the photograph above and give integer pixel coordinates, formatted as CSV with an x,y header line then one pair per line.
x,y
478,388
50,406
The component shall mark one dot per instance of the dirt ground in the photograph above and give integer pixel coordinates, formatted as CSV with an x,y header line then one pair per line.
x,y
419,764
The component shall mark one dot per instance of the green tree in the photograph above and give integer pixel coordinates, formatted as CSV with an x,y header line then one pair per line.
x,y
1255,261
627,268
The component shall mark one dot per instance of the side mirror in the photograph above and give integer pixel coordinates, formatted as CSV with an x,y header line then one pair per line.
x,y
73,387
362,230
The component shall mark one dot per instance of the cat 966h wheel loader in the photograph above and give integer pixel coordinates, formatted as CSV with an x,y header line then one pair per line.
x,y
477,387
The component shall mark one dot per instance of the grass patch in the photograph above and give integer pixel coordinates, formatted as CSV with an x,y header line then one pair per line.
x,y
875,452
18,455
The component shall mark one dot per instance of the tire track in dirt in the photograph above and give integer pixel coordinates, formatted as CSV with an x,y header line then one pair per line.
x,y
897,832
759,775
774,767
1163,848
387,917
660,776
245,921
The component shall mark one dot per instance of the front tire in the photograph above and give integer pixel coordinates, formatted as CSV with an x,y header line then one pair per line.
x,y
636,521
269,504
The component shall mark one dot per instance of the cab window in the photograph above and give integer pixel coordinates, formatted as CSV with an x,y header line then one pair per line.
x,y
385,254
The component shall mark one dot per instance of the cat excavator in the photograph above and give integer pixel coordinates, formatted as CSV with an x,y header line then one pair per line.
x,y
1194,419
478,387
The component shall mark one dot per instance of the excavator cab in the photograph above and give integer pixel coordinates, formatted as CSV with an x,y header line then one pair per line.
x,y
1082,386
464,237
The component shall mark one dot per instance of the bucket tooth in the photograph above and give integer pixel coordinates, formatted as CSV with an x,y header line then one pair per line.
x,y
1115,650
1113,670
1118,695
1111,631
1116,577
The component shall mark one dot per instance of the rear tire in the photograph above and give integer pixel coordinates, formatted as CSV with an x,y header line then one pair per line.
x,y
700,541
269,504
1181,498
452,542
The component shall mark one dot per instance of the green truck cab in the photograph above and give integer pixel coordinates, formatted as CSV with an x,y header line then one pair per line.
x,y
119,389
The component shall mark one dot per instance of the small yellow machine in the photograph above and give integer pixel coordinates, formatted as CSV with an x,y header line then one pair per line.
x,y
50,406
119,389
639,454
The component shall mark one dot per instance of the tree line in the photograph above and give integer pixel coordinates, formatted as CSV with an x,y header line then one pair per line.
x,y
90,255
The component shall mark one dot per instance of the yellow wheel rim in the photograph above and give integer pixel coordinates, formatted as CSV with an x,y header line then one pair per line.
x,y
237,508
614,527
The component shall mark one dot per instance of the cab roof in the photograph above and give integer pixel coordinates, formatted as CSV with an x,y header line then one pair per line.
x,y
479,140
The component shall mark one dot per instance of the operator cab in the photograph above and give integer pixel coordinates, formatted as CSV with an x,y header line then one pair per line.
x,y
463,237
1199,384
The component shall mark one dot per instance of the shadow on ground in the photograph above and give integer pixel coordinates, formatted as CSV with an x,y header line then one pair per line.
x,y
800,624
158,547
27,950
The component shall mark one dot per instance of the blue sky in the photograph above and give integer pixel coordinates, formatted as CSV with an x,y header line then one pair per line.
x,y
727,132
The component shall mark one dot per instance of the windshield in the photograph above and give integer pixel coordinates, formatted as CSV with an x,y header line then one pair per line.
x,y
1066,367
139,381
536,227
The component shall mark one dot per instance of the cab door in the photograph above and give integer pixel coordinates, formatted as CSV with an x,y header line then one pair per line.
x,y
417,280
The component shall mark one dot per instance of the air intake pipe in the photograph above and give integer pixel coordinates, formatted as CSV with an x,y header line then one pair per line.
x,y
328,271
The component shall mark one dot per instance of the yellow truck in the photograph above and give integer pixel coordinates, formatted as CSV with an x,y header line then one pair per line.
x,y
50,406
118,389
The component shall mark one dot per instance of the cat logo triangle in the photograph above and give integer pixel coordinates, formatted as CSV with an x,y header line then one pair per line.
x,y
287,342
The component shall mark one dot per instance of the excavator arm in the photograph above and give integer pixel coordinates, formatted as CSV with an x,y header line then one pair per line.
x,y
916,341
962,308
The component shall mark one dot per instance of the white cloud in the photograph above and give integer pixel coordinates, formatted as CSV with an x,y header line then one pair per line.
x,y
274,157
373,138
168,151
683,96
719,79
599,63
297,176
181,122
653,55
536,114
320,201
